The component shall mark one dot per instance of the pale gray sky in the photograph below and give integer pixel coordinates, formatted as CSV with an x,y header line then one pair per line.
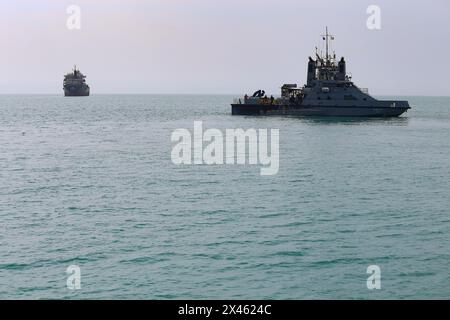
x,y
221,46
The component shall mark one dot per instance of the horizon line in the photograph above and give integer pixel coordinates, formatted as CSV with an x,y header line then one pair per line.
x,y
195,93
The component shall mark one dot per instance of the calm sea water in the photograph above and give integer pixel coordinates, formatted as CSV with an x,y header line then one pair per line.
x,y
90,182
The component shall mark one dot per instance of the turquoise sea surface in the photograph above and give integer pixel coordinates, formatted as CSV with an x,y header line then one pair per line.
x,y
90,182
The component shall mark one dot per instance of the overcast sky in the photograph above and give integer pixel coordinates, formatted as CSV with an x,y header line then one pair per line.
x,y
221,46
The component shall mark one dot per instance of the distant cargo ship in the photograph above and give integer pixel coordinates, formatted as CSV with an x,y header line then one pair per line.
x,y
75,84
329,92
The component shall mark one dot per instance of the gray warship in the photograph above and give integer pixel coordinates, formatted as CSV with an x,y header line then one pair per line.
x,y
329,91
75,84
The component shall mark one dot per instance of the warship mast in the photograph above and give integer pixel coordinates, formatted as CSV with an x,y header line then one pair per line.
x,y
327,37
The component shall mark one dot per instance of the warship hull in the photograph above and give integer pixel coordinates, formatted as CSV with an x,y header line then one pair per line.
x,y
318,111
76,92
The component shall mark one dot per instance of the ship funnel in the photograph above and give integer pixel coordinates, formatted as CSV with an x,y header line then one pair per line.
x,y
342,70
311,71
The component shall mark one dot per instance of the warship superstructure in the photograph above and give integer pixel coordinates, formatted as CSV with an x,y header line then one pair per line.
x,y
75,84
329,91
